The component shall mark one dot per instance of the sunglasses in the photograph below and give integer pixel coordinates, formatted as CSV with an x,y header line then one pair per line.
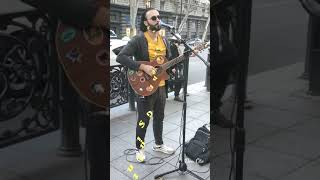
x,y
154,18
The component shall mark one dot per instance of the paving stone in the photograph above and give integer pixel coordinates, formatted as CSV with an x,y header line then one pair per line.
x,y
293,144
266,163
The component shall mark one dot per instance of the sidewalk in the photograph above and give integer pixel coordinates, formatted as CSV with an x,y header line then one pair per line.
x,y
282,130
122,136
37,158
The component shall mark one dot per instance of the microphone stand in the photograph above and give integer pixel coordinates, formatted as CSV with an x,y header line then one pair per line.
x,y
182,164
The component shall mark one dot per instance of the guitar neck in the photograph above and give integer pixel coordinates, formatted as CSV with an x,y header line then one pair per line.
x,y
182,57
173,62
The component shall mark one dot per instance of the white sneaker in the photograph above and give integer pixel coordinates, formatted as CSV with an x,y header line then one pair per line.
x,y
163,148
140,156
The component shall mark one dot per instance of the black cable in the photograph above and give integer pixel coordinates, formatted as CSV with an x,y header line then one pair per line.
x,y
131,152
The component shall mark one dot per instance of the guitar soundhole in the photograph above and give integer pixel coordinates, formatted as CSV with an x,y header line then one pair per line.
x,y
142,79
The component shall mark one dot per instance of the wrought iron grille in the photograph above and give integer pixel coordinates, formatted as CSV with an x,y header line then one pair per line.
x,y
118,86
28,86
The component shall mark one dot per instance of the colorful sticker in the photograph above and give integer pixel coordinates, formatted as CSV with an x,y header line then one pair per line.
x,y
131,72
97,88
68,35
102,57
132,78
149,88
139,73
155,78
93,35
74,55
160,60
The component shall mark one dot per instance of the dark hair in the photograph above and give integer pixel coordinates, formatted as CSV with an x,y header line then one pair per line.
x,y
143,27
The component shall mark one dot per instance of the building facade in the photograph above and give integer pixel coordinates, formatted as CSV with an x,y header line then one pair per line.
x,y
170,14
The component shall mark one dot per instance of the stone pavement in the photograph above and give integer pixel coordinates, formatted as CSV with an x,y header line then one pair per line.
x,y
282,129
37,158
122,137
282,132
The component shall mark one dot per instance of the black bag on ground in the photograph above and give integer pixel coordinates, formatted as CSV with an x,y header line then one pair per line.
x,y
197,149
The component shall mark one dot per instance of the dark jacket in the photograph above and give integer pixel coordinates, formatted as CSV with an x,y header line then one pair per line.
x,y
137,47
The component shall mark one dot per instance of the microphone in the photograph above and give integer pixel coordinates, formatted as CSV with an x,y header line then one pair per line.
x,y
162,24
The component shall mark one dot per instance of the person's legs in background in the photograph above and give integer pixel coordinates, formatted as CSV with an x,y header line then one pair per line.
x,y
177,88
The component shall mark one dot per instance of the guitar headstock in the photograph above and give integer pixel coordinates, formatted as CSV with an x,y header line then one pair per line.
x,y
200,47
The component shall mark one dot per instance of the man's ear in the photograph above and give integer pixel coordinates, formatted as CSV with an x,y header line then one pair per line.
x,y
145,23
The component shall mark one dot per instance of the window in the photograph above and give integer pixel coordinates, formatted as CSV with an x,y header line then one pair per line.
x,y
192,24
193,35
113,18
162,5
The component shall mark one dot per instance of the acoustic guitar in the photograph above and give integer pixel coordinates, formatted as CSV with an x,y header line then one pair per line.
x,y
145,85
84,58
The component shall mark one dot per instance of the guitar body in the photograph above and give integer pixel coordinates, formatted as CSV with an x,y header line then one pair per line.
x,y
142,83
84,57
145,85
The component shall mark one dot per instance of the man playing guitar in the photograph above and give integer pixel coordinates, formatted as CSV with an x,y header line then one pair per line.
x,y
144,47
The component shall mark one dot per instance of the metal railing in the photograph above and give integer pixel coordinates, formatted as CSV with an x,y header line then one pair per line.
x,y
119,87
28,87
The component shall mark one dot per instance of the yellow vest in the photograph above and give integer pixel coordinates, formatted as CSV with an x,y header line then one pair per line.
x,y
156,49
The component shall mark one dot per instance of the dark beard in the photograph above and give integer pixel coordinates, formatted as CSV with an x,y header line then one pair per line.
x,y
156,27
